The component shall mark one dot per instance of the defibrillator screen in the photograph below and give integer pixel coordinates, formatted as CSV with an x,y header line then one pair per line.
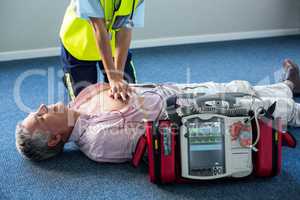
x,y
206,146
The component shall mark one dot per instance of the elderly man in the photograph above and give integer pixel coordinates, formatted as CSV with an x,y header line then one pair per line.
x,y
107,130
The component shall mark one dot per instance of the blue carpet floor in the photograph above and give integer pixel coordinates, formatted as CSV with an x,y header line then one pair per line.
x,y
73,176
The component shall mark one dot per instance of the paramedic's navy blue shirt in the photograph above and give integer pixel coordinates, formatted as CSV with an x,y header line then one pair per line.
x,y
92,8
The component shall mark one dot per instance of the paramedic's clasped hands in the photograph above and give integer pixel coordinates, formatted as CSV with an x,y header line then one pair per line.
x,y
119,88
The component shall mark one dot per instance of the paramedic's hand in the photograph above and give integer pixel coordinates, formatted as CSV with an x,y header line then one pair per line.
x,y
119,89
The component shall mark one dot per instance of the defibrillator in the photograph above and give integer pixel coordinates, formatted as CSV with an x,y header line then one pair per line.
x,y
206,137
208,151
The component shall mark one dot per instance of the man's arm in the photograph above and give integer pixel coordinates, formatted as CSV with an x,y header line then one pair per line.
x,y
124,35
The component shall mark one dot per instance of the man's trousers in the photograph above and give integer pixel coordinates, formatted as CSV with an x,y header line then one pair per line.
x,y
286,107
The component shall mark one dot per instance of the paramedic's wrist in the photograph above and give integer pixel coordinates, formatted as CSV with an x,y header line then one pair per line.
x,y
114,75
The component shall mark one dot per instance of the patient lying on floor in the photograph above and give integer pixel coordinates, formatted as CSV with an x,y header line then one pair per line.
x,y
107,130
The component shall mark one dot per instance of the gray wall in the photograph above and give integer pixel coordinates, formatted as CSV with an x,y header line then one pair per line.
x,y
34,24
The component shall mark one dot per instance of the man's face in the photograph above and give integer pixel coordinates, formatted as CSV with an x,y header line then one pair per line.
x,y
52,119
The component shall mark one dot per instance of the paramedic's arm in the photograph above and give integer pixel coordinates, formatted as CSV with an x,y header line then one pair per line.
x,y
124,35
123,40
117,85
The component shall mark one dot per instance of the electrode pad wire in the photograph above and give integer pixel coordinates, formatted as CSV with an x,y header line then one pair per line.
x,y
258,113
155,92
162,99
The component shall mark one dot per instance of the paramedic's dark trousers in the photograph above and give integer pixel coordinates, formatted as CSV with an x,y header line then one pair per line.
x,y
80,74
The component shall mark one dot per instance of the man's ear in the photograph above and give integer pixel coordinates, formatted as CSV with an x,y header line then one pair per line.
x,y
54,140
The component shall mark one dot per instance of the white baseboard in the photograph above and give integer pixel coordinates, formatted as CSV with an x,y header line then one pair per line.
x,y
158,42
31,53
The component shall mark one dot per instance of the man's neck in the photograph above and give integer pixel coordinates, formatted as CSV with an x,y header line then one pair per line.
x,y
72,119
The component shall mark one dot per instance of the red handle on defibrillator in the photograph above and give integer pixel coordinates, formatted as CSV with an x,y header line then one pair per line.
x,y
139,151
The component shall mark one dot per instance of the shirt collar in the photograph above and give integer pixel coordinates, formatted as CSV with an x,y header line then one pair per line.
x,y
79,128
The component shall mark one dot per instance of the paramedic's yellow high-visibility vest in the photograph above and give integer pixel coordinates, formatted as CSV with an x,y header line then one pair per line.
x,y
77,34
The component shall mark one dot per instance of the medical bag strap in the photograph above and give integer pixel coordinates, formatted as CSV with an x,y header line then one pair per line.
x,y
139,152
171,107
228,97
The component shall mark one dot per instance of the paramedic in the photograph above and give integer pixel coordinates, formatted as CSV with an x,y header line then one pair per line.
x,y
99,32
108,132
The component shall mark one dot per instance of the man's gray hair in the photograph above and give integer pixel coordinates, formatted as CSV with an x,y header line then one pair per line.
x,y
34,146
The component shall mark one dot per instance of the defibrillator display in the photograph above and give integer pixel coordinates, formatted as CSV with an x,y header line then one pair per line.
x,y
206,155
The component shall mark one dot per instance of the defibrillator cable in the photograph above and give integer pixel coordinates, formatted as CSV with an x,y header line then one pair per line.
x,y
258,112
257,115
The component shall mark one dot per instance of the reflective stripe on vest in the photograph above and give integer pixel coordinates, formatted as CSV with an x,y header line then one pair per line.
x,y
77,34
